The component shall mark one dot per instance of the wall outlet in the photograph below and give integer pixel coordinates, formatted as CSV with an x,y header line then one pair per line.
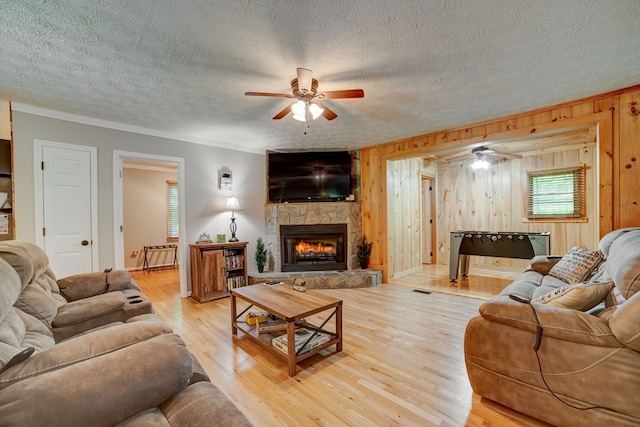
x,y
134,254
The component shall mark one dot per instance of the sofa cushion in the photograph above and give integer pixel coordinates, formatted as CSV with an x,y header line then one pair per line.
x,y
623,263
580,296
608,239
27,259
18,331
86,285
10,288
576,265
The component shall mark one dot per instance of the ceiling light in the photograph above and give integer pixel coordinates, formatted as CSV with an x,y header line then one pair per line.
x,y
315,110
480,163
298,109
302,111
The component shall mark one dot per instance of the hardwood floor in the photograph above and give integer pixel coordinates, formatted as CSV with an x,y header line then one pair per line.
x,y
479,284
402,362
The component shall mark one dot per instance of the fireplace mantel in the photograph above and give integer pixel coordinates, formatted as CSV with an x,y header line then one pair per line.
x,y
312,213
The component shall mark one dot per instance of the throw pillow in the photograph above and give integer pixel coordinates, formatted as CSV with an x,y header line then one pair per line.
x,y
580,296
576,265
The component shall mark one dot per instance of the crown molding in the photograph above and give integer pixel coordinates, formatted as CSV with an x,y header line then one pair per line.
x,y
92,121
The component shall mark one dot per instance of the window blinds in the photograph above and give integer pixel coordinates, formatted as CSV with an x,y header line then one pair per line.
x,y
558,193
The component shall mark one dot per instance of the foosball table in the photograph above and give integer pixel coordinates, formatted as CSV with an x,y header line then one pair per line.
x,y
502,244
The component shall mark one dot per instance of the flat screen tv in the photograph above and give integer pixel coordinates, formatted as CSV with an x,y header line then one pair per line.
x,y
309,176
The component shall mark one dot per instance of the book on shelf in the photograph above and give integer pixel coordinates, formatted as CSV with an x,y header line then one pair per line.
x,y
235,282
273,325
301,337
233,261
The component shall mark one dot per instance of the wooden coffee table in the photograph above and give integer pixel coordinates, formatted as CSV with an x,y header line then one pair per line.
x,y
292,307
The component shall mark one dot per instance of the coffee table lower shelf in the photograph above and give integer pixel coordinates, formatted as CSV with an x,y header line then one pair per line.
x,y
265,338
281,303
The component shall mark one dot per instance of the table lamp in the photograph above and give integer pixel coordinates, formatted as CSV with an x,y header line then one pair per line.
x,y
233,205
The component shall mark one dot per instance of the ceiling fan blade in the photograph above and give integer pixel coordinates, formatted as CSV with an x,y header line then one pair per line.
x,y
304,79
457,158
327,113
347,93
283,113
278,95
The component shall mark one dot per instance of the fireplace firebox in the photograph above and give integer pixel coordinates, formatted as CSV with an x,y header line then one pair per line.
x,y
313,247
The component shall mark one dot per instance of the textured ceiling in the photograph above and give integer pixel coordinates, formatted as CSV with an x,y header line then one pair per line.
x,y
182,67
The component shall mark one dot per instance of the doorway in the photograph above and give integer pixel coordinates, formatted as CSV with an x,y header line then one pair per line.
x,y
151,161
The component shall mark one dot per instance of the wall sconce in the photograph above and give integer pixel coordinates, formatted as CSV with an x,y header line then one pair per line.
x,y
226,182
233,205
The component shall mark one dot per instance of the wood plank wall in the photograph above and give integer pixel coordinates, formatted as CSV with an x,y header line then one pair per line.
x,y
493,199
618,151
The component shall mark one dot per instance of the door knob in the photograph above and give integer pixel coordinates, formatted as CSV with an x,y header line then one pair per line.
x,y
84,242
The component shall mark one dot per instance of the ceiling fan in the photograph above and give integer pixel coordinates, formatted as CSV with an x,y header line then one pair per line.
x,y
304,88
483,156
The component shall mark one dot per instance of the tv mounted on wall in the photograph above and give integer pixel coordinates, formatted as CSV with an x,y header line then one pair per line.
x,y
318,176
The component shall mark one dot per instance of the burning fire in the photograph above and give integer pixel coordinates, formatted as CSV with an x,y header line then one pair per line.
x,y
303,247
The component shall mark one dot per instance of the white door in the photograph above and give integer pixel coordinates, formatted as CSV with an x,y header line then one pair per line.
x,y
66,185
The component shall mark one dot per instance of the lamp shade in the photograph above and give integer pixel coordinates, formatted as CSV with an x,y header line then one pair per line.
x,y
232,204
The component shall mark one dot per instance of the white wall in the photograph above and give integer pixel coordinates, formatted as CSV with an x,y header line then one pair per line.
x,y
204,201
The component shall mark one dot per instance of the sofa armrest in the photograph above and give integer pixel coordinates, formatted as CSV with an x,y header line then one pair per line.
x,y
560,323
85,309
542,263
84,347
205,402
103,390
86,285
625,322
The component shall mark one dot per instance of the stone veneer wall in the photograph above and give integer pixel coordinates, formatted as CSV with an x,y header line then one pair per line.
x,y
349,213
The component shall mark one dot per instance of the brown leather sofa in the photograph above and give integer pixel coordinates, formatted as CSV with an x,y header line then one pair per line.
x,y
590,360
88,350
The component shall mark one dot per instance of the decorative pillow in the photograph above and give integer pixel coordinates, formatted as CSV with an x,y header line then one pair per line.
x,y
576,265
580,296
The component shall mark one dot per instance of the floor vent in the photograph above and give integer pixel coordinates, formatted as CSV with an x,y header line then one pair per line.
x,y
422,291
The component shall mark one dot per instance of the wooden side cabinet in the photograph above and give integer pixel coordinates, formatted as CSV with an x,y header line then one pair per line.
x,y
216,268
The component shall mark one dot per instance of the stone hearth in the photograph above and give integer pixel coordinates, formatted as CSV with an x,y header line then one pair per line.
x,y
323,279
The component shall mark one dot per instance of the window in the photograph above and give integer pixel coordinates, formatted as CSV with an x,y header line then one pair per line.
x,y
172,211
557,193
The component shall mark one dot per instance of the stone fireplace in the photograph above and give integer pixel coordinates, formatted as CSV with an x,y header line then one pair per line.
x,y
318,220
315,247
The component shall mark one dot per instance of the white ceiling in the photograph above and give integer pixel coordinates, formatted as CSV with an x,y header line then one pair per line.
x,y
182,67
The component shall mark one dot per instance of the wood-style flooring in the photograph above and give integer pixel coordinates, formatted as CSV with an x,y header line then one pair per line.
x,y
402,362
482,284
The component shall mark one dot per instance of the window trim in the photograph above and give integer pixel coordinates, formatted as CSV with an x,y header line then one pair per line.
x,y
579,195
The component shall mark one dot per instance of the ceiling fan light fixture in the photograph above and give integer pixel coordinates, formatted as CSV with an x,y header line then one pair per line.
x,y
299,109
315,110
480,163
304,88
